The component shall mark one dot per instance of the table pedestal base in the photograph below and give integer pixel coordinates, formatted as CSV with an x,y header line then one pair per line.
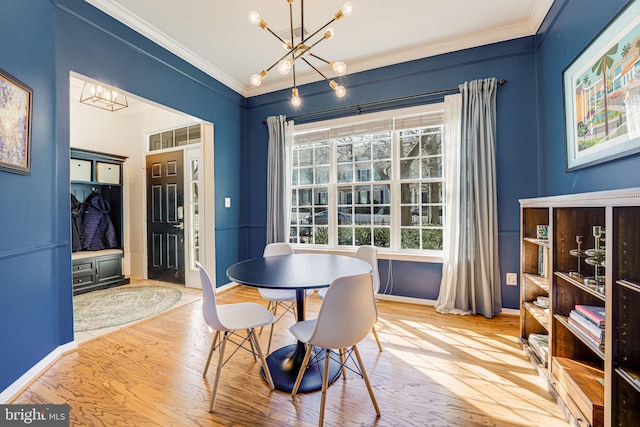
x,y
284,365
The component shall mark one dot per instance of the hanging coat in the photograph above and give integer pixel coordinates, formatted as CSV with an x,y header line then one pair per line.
x,y
77,225
99,232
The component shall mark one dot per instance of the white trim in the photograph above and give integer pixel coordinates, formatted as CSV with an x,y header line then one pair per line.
x,y
227,287
134,22
430,302
8,394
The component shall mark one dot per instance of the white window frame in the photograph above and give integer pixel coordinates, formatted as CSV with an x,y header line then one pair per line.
x,y
394,252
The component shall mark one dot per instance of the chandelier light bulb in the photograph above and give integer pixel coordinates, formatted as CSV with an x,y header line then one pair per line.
x,y
284,67
329,33
340,68
340,91
256,80
295,99
347,9
254,17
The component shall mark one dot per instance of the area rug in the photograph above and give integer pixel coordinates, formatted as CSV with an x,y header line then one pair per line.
x,y
118,306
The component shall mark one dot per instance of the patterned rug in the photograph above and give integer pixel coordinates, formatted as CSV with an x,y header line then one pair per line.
x,y
117,306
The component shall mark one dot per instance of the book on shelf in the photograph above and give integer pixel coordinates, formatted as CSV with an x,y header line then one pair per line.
x,y
588,336
543,260
592,312
595,330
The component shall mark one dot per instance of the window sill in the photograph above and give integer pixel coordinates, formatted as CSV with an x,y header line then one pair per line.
x,y
394,256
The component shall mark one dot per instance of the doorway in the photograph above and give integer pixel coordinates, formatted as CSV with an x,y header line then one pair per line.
x,y
123,132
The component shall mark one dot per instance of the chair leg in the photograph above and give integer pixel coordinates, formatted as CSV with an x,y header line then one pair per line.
x,y
375,334
269,308
343,361
213,347
325,385
218,369
252,335
303,368
366,380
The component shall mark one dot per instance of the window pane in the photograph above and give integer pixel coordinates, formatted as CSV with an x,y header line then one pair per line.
x,y
432,239
410,193
345,153
363,172
410,146
432,192
322,174
410,169
382,237
345,216
363,215
294,177
321,155
305,176
345,236
382,215
431,144
345,173
345,195
382,149
410,215
362,149
321,196
410,238
294,197
381,194
305,196
362,236
432,167
305,157
363,196
382,171
181,136
432,215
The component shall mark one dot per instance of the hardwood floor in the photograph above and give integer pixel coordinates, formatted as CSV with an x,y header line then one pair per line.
x,y
435,370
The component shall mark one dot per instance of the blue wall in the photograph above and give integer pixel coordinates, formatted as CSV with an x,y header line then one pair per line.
x,y
516,140
40,43
569,27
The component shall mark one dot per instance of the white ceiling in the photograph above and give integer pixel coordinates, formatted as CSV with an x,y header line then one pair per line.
x,y
216,36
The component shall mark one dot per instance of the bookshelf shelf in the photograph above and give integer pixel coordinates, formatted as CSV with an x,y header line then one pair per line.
x,y
537,280
582,337
539,314
631,377
580,284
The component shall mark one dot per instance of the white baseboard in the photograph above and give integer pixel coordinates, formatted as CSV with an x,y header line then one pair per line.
x,y
421,301
8,394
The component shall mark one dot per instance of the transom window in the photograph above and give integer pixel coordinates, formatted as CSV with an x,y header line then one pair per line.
x,y
378,182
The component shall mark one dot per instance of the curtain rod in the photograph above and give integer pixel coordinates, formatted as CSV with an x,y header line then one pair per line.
x,y
358,107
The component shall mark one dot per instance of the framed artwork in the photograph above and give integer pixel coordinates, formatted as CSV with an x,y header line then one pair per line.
x,y
15,125
602,94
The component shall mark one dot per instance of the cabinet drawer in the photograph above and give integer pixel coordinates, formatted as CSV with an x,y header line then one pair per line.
x,y
80,170
82,267
82,280
107,173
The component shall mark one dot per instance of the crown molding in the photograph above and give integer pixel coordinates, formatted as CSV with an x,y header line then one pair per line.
x,y
154,34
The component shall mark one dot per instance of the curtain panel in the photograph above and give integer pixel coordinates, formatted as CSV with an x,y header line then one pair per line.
x,y
278,180
470,271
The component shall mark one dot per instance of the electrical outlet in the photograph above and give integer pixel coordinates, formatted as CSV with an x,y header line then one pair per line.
x,y
512,279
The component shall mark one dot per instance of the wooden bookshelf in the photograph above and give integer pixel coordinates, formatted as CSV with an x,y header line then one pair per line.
x,y
598,385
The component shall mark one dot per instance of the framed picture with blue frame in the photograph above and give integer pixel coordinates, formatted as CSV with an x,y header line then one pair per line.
x,y
15,124
602,94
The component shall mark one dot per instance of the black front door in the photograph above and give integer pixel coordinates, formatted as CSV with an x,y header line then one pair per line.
x,y
165,217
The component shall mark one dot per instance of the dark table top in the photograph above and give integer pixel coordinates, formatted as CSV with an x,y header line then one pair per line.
x,y
297,271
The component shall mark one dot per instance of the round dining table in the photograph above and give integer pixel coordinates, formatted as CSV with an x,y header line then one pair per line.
x,y
298,272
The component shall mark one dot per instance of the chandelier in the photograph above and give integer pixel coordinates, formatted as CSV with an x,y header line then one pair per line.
x,y
101,97
302,50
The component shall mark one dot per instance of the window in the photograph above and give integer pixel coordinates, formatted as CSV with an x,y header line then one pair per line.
x,y
373,182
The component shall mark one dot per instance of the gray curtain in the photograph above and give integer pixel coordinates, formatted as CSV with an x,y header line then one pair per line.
x,y
470,271
277,181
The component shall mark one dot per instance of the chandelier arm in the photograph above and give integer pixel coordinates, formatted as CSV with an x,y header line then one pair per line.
x,y
316,70
317,57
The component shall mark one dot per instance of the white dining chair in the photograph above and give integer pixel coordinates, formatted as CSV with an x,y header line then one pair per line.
x,y
346,316
369,254
279,297
228,319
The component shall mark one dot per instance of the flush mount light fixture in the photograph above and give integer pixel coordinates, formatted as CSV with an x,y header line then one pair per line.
x,y
302,50
101,97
